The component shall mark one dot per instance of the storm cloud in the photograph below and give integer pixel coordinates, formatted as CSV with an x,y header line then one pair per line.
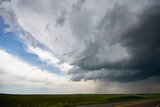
x,y
107,46
125,46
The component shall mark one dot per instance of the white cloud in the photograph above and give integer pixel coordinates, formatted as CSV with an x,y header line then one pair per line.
x,y
16,72
42,24
48,57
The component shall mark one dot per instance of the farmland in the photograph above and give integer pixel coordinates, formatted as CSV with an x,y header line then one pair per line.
x,y
7,100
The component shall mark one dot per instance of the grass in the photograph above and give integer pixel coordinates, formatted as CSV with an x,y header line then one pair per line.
x,y
68,100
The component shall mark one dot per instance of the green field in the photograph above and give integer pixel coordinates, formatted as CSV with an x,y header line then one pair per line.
x,y
68,100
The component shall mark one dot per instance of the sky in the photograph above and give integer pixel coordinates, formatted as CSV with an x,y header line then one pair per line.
x,y
79,46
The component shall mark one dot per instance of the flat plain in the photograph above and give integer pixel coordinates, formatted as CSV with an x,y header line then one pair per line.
x,y
12,100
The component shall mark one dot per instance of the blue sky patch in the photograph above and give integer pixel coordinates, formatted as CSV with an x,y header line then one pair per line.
x,y
11,44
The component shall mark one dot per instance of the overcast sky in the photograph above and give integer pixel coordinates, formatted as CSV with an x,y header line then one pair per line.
x,y
79,46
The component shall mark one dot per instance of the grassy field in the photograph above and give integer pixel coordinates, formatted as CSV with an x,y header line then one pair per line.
x,y
68,100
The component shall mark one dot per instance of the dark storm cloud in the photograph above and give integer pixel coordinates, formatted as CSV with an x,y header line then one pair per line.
x,y
77,6
61,19
80,20
143,43
137,32
4,1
